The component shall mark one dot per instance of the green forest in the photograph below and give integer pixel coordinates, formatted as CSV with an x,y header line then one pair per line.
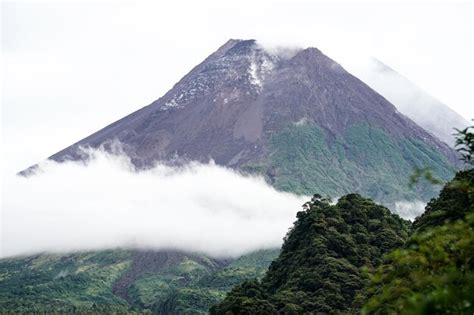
x,y
355,256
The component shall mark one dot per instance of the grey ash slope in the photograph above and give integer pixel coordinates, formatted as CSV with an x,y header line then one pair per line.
x,y
303,122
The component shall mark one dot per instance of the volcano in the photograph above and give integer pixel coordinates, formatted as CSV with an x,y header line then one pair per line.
x,y
300,120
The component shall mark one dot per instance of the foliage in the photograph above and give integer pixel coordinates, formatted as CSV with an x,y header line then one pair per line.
x,y
434,272
465,144
83,283
320,267
365,160
247,298
54,282
423,173
189,301
243,268
455,201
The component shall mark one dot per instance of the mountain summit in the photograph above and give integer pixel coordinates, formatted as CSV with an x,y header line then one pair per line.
x,y
301,121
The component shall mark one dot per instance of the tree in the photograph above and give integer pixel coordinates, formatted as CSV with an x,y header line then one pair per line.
x,y
465,144
433,273
321,266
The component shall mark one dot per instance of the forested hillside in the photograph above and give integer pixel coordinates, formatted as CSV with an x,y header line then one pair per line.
x,y
333,260
122,281
433,273
323,262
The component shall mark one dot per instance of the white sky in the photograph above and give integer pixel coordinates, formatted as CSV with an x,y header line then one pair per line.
x,y
70,69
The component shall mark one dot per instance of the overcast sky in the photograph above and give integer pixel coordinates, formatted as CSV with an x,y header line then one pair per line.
x,y
70,69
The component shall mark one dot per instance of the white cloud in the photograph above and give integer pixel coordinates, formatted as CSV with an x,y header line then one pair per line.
x,y
104,204
409,209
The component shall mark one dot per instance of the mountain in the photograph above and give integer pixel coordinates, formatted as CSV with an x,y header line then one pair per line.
x,y
302,122
412,101
320,267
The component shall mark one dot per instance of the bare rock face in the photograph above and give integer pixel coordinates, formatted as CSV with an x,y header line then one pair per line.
x,y
249,109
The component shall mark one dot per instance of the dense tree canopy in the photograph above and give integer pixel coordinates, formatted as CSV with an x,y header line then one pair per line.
x,y
434,272
321,265
83,283
333,261
455,201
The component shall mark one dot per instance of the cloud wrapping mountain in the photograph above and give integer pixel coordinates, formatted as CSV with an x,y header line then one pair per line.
x,y
104,203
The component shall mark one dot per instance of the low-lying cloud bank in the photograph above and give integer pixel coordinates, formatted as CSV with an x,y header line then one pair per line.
x,y
105,204
204,208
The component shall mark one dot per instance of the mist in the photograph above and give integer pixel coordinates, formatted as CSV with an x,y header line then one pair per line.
x,y
409,210
410,100
105,203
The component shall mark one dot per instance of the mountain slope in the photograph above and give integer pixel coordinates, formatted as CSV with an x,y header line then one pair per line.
x,y
244,107
320,267
412,101
122,281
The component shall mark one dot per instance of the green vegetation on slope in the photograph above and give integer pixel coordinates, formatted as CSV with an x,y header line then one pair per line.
x,y
55,283
365,160
84,283
434,272
455,201
246,267
333,260
431,273
321,266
